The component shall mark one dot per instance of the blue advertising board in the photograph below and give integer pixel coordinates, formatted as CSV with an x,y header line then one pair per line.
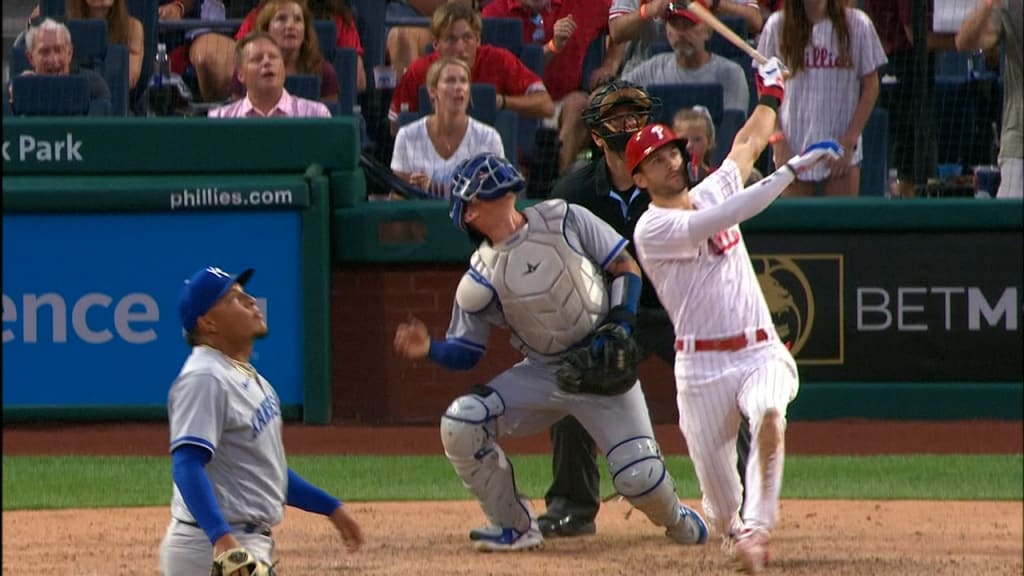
x,y
90,315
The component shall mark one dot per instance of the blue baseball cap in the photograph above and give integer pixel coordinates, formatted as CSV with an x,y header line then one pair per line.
x,y
202,290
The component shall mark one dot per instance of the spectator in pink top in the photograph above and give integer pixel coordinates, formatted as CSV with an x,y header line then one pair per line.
x,y
260,68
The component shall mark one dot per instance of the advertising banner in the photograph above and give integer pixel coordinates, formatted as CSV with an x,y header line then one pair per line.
x,y
90,301
908,307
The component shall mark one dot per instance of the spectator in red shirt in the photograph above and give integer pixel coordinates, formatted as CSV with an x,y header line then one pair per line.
x,y
566,29
456,31
336,10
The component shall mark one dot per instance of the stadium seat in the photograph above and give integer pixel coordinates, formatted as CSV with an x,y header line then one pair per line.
x,y
90,40
677,96
370,15
50,95
719,45
874,167
504,32
303,85
52,8
953,112
146,12
725,133
345,62
533,57
327,37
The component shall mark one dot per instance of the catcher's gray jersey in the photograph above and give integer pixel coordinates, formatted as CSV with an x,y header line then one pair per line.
x,y
546,280
237,417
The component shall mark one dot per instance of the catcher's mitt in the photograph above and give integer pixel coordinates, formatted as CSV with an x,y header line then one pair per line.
x,y
239,562
608,366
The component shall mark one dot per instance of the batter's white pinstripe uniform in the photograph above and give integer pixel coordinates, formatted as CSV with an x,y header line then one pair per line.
x,y
821,99
710,290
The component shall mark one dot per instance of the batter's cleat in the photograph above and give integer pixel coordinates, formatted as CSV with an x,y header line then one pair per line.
x,y
566,525
751,550
690,529
498,539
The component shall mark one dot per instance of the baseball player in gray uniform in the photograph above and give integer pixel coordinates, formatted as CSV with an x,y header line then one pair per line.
x,y
729,360
231,479
540,273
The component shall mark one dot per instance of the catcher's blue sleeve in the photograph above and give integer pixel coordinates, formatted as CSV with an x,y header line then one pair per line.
x,y
305,496
455,353
187,469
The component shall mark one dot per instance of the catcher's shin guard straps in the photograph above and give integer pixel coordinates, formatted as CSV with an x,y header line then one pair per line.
x,y
468,429
639,474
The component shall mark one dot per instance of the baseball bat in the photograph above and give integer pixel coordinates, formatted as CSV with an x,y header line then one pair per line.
x,y
711,20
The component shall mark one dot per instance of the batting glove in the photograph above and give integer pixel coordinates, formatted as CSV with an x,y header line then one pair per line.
x,y
824,150
769,79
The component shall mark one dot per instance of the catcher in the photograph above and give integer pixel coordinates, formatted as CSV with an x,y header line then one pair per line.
x,y
542,274
231,478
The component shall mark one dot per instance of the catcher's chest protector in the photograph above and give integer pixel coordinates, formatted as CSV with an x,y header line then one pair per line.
x,y
551,295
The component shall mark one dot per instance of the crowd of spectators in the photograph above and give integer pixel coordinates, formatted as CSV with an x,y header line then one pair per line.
x,y
845,60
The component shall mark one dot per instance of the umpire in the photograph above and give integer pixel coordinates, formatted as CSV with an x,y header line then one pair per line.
x,y
616,112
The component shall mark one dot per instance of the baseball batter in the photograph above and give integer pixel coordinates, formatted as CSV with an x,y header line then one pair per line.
x,y
231,479
540,273
729,361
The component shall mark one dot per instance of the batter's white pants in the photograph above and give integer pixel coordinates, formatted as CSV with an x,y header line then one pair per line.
x,y
713,390
186,551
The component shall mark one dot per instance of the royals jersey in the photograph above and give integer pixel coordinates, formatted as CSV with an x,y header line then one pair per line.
x,y
708,285
237,417
545,283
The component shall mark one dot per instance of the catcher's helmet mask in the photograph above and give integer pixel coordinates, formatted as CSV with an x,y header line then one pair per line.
x,y
619,103
486,177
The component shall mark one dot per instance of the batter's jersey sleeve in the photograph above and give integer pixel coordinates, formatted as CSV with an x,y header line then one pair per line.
x,y
195,408
596,238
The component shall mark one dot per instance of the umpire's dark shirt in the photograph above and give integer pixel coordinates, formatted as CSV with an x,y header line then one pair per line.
x,y
591,188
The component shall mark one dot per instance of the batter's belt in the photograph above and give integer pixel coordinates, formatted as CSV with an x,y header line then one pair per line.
x,y
727,344
246,528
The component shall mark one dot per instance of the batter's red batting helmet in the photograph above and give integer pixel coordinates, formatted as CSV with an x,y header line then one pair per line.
x,y
647,141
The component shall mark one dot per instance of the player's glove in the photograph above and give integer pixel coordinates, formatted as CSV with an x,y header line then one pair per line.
x,y
239,562
607,367
770,80
824,150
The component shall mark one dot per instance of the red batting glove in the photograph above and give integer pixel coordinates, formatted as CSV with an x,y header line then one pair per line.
x,y
769,79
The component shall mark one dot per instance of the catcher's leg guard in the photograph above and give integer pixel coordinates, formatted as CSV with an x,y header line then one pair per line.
x,y
639,474
468,429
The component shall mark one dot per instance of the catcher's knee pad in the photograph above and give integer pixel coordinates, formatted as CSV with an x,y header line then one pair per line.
x,y
469,424
468,429
639,474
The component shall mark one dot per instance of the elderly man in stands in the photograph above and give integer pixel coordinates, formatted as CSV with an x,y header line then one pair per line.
x,y
691,63
260,68
49,50
456,30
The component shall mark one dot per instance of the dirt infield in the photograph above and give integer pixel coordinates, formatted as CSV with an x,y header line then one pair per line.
x,y
429,538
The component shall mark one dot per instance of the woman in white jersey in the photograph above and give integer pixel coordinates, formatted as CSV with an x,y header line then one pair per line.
x,y
833,55
428,150
729,361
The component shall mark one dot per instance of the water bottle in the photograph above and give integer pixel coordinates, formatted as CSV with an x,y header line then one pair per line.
x,y
894,184
161,95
